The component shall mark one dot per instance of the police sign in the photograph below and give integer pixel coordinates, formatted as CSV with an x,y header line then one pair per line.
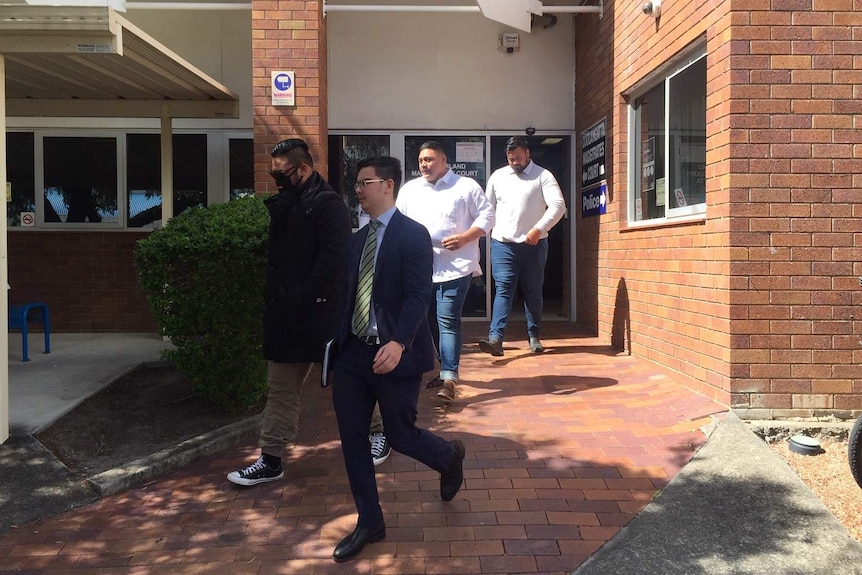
x,y
594,200
283,89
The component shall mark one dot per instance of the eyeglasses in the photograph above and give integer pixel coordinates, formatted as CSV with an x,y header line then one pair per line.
x,y
360,184
283,173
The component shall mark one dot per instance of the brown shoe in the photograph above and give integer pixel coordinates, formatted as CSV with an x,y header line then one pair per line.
x,y
447,392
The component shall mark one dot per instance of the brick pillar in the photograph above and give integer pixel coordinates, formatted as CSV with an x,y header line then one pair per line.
x,y
288,35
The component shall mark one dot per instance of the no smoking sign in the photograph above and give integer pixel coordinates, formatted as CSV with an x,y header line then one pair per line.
x,y
28,219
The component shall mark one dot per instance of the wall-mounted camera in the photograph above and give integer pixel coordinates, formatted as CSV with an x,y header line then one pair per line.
x,y
652,8
530,131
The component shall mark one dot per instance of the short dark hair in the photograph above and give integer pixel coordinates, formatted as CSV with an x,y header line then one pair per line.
x,y
432,145
295,150
385,167
517,142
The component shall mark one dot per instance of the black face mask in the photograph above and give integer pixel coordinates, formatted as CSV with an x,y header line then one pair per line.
x,y
283,180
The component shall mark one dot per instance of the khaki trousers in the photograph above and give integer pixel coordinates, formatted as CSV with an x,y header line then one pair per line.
x,y
281,414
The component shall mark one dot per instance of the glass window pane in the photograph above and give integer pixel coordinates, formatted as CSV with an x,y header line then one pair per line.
x,y
21,172
651,183
467,157
143,179
687,132
345,152
80,179
190,171
144,175
241,167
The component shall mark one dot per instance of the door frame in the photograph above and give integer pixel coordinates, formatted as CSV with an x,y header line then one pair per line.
x,y
397,150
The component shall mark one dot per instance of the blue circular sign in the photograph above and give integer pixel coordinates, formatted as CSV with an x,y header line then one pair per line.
x,y
282,81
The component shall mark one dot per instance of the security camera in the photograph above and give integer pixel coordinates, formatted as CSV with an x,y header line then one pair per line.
x,y
652,8
530,131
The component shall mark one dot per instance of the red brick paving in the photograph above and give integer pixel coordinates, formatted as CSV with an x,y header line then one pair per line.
x,y
563,449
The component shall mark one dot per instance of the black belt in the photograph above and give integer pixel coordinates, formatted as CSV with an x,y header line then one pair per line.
x,y
369,339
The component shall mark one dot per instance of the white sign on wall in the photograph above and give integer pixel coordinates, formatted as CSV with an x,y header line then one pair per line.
x,y
283,88
469,152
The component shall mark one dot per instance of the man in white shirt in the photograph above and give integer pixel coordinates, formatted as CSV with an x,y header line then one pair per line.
x,y
528,202
456,213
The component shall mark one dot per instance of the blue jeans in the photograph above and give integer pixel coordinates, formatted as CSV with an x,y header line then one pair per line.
x,y
513,264
444,316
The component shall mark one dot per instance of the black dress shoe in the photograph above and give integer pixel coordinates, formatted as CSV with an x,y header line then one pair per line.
x,y
354,543
452,478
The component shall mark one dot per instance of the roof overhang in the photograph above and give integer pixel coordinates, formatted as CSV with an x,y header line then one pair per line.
x,y
90,61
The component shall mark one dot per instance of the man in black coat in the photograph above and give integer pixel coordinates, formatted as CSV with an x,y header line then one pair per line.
x,y
308,234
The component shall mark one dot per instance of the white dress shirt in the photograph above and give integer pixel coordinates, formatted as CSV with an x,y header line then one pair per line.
x,y
452,205
531,199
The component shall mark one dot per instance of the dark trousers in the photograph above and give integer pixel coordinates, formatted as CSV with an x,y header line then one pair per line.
x,y
355,390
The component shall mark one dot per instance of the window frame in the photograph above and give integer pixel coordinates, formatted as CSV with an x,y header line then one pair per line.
x,y
663,75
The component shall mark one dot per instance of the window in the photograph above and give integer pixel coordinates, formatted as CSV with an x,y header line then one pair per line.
x,y
21,173
80,180
345,152
107,179
144,178
667,155
190,171
241,151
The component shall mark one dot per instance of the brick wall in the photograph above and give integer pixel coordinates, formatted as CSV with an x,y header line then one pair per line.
x,y
288,35
88,279
757,305
658,292
796,153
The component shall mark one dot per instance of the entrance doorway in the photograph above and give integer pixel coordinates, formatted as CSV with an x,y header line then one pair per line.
x,y
475,155
552,153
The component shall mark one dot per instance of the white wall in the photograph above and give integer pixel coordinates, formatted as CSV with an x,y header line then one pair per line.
x,y
442,71
216,42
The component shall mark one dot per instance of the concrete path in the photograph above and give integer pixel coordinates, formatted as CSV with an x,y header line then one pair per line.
x,y
49,385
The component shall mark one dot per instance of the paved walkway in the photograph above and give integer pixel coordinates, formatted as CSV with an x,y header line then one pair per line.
x,y
564,450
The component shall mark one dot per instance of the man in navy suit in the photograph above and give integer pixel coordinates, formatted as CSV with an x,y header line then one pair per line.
x,y
390,259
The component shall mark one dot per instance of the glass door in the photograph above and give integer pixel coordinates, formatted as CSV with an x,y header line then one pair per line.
x,y
467,157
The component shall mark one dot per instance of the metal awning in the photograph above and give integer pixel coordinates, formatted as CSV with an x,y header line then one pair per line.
x,y
74,61
90,61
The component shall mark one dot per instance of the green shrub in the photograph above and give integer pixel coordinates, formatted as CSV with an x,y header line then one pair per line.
x,y
203,274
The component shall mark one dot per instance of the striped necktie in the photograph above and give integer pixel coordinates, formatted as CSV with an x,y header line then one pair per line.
x,y
362,307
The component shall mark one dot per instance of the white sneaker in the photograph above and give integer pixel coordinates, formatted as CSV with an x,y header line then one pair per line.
x,y
379,447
